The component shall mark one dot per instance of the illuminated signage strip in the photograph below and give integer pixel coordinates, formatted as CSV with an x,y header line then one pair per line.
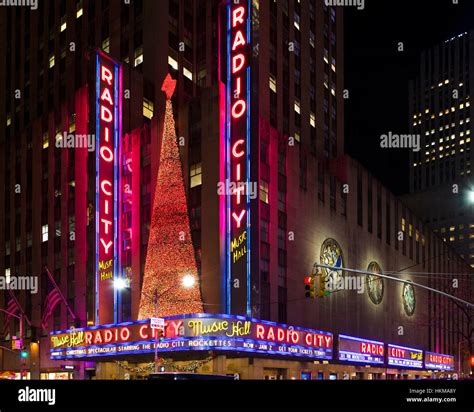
x,y
402,356
439,361
193,332
238,157
186,344
108,191
352,349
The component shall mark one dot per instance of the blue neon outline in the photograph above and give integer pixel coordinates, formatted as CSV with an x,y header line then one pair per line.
x,y
438,366
361,340
327,356
228,174
97,148
249,308
392,360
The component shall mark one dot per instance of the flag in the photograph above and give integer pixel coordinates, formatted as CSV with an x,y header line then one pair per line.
x,y
52,301
13,309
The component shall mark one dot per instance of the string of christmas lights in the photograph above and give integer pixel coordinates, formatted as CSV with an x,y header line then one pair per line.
x,y
190,366
170,254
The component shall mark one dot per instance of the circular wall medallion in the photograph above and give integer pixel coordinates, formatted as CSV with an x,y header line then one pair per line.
x,y
409,300
331,255
374,283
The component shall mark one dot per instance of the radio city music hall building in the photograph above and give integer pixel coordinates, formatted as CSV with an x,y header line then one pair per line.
x,y
258,102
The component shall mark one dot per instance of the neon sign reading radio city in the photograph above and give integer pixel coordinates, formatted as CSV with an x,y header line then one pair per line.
x,y
238,154
238,108
108,113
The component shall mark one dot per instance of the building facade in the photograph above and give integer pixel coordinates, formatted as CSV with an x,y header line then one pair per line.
x,y
440,113
258,100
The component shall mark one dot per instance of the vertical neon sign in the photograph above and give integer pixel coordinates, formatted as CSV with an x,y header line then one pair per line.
x,y
108,150
238,157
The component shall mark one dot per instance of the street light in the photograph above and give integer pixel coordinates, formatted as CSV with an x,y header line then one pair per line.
x,y
470,196
188,281
120,283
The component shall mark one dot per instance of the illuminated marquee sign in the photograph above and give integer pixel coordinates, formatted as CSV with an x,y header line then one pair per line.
x,y
353,349
439,361
193,332
238,156
108,142
404,357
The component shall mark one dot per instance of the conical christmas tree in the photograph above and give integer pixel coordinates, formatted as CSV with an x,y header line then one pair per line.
x,y
170,255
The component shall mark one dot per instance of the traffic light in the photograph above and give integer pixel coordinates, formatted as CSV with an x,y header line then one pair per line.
x,y
322,292
24,354
309,286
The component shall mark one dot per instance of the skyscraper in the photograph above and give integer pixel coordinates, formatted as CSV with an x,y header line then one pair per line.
x,y
441,184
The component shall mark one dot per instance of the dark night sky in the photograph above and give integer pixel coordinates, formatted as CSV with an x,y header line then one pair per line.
x,y
377,75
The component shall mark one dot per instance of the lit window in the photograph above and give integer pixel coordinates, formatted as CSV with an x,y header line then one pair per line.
x,y
44,233
148,108
63,24
264,192
195,174
312,119
79,13
272,83
106,45
9,120
410,230
187,73
45,140
451,238
452,228
173,63
297,106
138,56
7,275
51,61
297,22
403,224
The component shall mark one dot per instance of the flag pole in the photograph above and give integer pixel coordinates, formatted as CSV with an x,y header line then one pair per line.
x,y
60,293
19,307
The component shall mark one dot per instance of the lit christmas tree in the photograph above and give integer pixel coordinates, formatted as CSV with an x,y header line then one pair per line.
x,y
170,255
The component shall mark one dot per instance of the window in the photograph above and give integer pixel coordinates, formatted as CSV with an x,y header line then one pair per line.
x,y
195,174
272,83
7,275
264,192
51,61
187,73
44,233
138,56
148,108
264,236
106,45
173,63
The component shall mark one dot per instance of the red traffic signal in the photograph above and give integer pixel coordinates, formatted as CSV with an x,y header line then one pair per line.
x,y
308,280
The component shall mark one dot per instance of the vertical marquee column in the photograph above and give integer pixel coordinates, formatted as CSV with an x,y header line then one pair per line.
x,y
108,192
238,157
